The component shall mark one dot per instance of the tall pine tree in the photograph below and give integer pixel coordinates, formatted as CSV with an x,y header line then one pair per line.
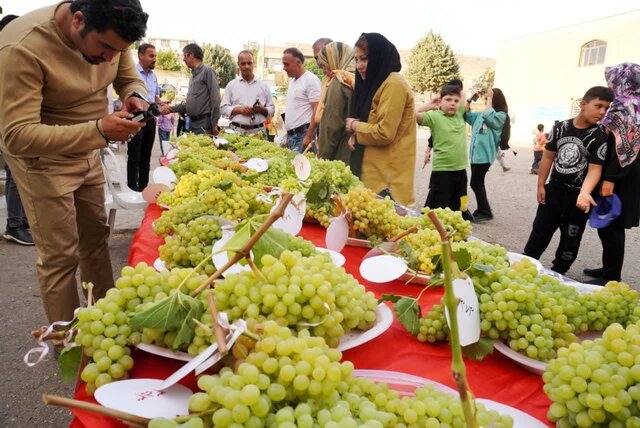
x,y
432,64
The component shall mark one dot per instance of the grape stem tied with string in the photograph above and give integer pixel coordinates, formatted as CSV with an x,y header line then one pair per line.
x,y
458,369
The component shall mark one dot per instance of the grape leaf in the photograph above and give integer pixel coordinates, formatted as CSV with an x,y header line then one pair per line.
x,y
167,314
390,298
408,313
478,350
224,184
318,192
187,328
463,258
69,362
273,241
482,268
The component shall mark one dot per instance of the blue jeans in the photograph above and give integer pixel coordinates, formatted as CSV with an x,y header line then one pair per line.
x,y
163,136
15,212
295,140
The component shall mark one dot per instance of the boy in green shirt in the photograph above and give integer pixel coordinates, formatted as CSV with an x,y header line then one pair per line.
x,y
448,181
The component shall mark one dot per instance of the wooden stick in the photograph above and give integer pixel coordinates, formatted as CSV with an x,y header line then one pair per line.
x,y
246,250
217,328
405,233
56,400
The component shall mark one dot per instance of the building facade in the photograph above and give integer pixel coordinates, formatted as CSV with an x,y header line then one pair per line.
x,y
545,75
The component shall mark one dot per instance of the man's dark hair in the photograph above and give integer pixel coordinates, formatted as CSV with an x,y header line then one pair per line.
x,y
7,19
456,82
450,90
601,92
295,52
143,48
540,127
125,17
194,50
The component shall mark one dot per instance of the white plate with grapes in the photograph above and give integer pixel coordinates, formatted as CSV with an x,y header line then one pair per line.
x,y
516,257
336,257
403,383
520,418
531,364
384,319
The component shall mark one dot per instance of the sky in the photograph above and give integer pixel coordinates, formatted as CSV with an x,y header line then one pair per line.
x,y
471,27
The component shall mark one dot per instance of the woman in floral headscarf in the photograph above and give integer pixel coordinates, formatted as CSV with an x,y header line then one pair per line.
x,y
621,171
336,59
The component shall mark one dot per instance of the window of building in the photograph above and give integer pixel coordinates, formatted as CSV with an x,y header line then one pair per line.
x,y
593,53
165,43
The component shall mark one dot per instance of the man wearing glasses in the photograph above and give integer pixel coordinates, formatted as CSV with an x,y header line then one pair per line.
x,y
203,99
53,117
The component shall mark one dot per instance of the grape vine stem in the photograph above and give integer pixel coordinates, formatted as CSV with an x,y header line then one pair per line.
x,y
56,400
246,250
458,369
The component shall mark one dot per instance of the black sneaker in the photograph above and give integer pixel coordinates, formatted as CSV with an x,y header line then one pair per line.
x,y
480,217
18,235
595,273
598,281
468,216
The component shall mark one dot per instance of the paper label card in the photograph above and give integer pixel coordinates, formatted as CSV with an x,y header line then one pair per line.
x,y
468,311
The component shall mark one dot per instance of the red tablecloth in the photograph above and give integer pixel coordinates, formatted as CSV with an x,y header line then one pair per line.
x,y
496,377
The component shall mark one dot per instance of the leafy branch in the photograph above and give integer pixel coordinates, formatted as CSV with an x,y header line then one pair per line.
x,y
245,251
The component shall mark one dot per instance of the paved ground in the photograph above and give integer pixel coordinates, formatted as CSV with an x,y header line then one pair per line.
x,y
511,194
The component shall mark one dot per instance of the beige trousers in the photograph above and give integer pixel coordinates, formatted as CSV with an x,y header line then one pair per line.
x,y
63,199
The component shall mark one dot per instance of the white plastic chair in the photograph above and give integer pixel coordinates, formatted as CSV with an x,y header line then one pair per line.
x,y
115,199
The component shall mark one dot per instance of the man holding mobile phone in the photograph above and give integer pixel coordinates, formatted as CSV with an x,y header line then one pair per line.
x,y
247,101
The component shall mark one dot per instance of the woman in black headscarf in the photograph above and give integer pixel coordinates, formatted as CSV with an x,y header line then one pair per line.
x,y
382,122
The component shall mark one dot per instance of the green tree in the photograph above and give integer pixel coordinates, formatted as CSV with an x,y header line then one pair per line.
x,y
252,46
432,64
218,58
312,66
485,81
167,60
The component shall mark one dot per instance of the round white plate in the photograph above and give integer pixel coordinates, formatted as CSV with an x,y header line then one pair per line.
x,y
142,397
516,257
337,258
520,418
384,268
159,265
533,365
403,383
384,318
164,352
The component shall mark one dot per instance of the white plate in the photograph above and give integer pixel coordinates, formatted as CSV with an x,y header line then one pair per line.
x,y
159,265
520,418
384,318
143,397
531,364
516,257
337,258
164,352
403,383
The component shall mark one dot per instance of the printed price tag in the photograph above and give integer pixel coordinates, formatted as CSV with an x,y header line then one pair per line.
x,y
468,311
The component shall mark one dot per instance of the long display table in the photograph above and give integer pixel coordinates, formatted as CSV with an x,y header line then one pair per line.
x,y
496,377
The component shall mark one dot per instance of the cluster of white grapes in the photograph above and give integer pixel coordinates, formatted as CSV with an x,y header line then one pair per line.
x,y
299,292
597,382
299,381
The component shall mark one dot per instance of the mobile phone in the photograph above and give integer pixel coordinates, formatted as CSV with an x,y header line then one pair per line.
x,y
475,97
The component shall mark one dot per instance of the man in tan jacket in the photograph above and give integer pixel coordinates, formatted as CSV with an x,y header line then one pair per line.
x,y
56,65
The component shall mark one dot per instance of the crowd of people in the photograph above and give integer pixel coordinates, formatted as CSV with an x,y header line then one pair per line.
x,y
363,113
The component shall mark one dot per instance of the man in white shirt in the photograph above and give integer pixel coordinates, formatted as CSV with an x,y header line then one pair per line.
x,y
247,101
302,100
